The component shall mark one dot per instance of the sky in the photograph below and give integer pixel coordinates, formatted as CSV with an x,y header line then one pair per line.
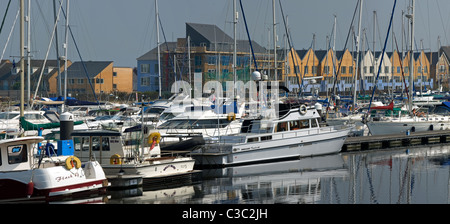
x,y
121,31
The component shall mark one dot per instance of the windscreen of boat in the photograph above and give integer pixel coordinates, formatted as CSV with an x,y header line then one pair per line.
x,y
166,116
7,115
260,127
34,116
195,124
154,110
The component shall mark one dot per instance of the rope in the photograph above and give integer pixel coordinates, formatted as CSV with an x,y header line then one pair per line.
x,y
248,35
4,16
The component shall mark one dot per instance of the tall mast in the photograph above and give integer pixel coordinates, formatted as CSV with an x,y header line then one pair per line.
x,y
157,40
334,55
28,53
411,58
274,43
235,16
22,54
65,54
57,49
357,55
374,60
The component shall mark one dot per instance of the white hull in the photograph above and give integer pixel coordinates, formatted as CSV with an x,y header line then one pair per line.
x,y
164,168
403,126
281,146
54,181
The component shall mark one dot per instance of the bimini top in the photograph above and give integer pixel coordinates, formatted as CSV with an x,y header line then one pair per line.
x,y
95,133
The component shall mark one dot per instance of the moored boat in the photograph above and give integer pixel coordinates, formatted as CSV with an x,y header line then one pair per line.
x,y
25,177
122,156
295,133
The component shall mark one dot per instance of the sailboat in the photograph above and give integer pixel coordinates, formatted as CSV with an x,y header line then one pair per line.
x,y
415,121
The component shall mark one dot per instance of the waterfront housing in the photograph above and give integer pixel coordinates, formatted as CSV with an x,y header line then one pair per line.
x,y
208,50
83,78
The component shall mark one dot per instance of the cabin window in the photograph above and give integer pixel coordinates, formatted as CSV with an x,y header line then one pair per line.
x,y
81,143
304,124
282,126
104,141
261,127
314,123
294,125
17,154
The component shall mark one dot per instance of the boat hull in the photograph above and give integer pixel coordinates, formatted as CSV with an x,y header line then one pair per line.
x,y
152,169
222,155
53,182
402,127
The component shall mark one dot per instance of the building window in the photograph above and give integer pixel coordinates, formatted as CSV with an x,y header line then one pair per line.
x,y
386,69
114,74
371,69
326,70
145,68
198,60
306,69
344,70
80,81
145,81
114,86
99,81
398,69
225,60
211,60
350,69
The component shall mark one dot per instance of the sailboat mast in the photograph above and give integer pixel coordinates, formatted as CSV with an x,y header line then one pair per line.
x,y
57,49
28,53
411,58
65,53
157,40
274,43
235,16
22,55
357,55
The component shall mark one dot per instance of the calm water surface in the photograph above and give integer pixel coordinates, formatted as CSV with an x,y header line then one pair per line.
x,y
405,176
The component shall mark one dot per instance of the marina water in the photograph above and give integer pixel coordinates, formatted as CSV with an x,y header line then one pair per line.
x,y
414,175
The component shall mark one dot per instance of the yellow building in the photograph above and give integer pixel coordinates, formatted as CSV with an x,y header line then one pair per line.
x,y
421,67
345,67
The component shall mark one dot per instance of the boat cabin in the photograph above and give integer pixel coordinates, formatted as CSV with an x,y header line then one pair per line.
x,y
102,145
291,121
17,154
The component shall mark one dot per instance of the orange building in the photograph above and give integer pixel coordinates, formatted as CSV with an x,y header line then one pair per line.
x,y
123,79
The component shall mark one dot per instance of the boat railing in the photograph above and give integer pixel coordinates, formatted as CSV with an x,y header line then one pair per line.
x,y
261,137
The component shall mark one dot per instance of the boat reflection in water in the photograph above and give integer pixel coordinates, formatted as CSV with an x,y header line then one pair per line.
x,y
297,181
404,175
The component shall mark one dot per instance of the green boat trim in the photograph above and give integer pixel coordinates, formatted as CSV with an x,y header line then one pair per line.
x,y
28,126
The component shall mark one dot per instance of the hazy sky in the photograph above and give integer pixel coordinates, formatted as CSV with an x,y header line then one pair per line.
x,y
121,31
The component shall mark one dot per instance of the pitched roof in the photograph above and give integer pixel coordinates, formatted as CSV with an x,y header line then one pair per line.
x,y
153,53
76,70
209,32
